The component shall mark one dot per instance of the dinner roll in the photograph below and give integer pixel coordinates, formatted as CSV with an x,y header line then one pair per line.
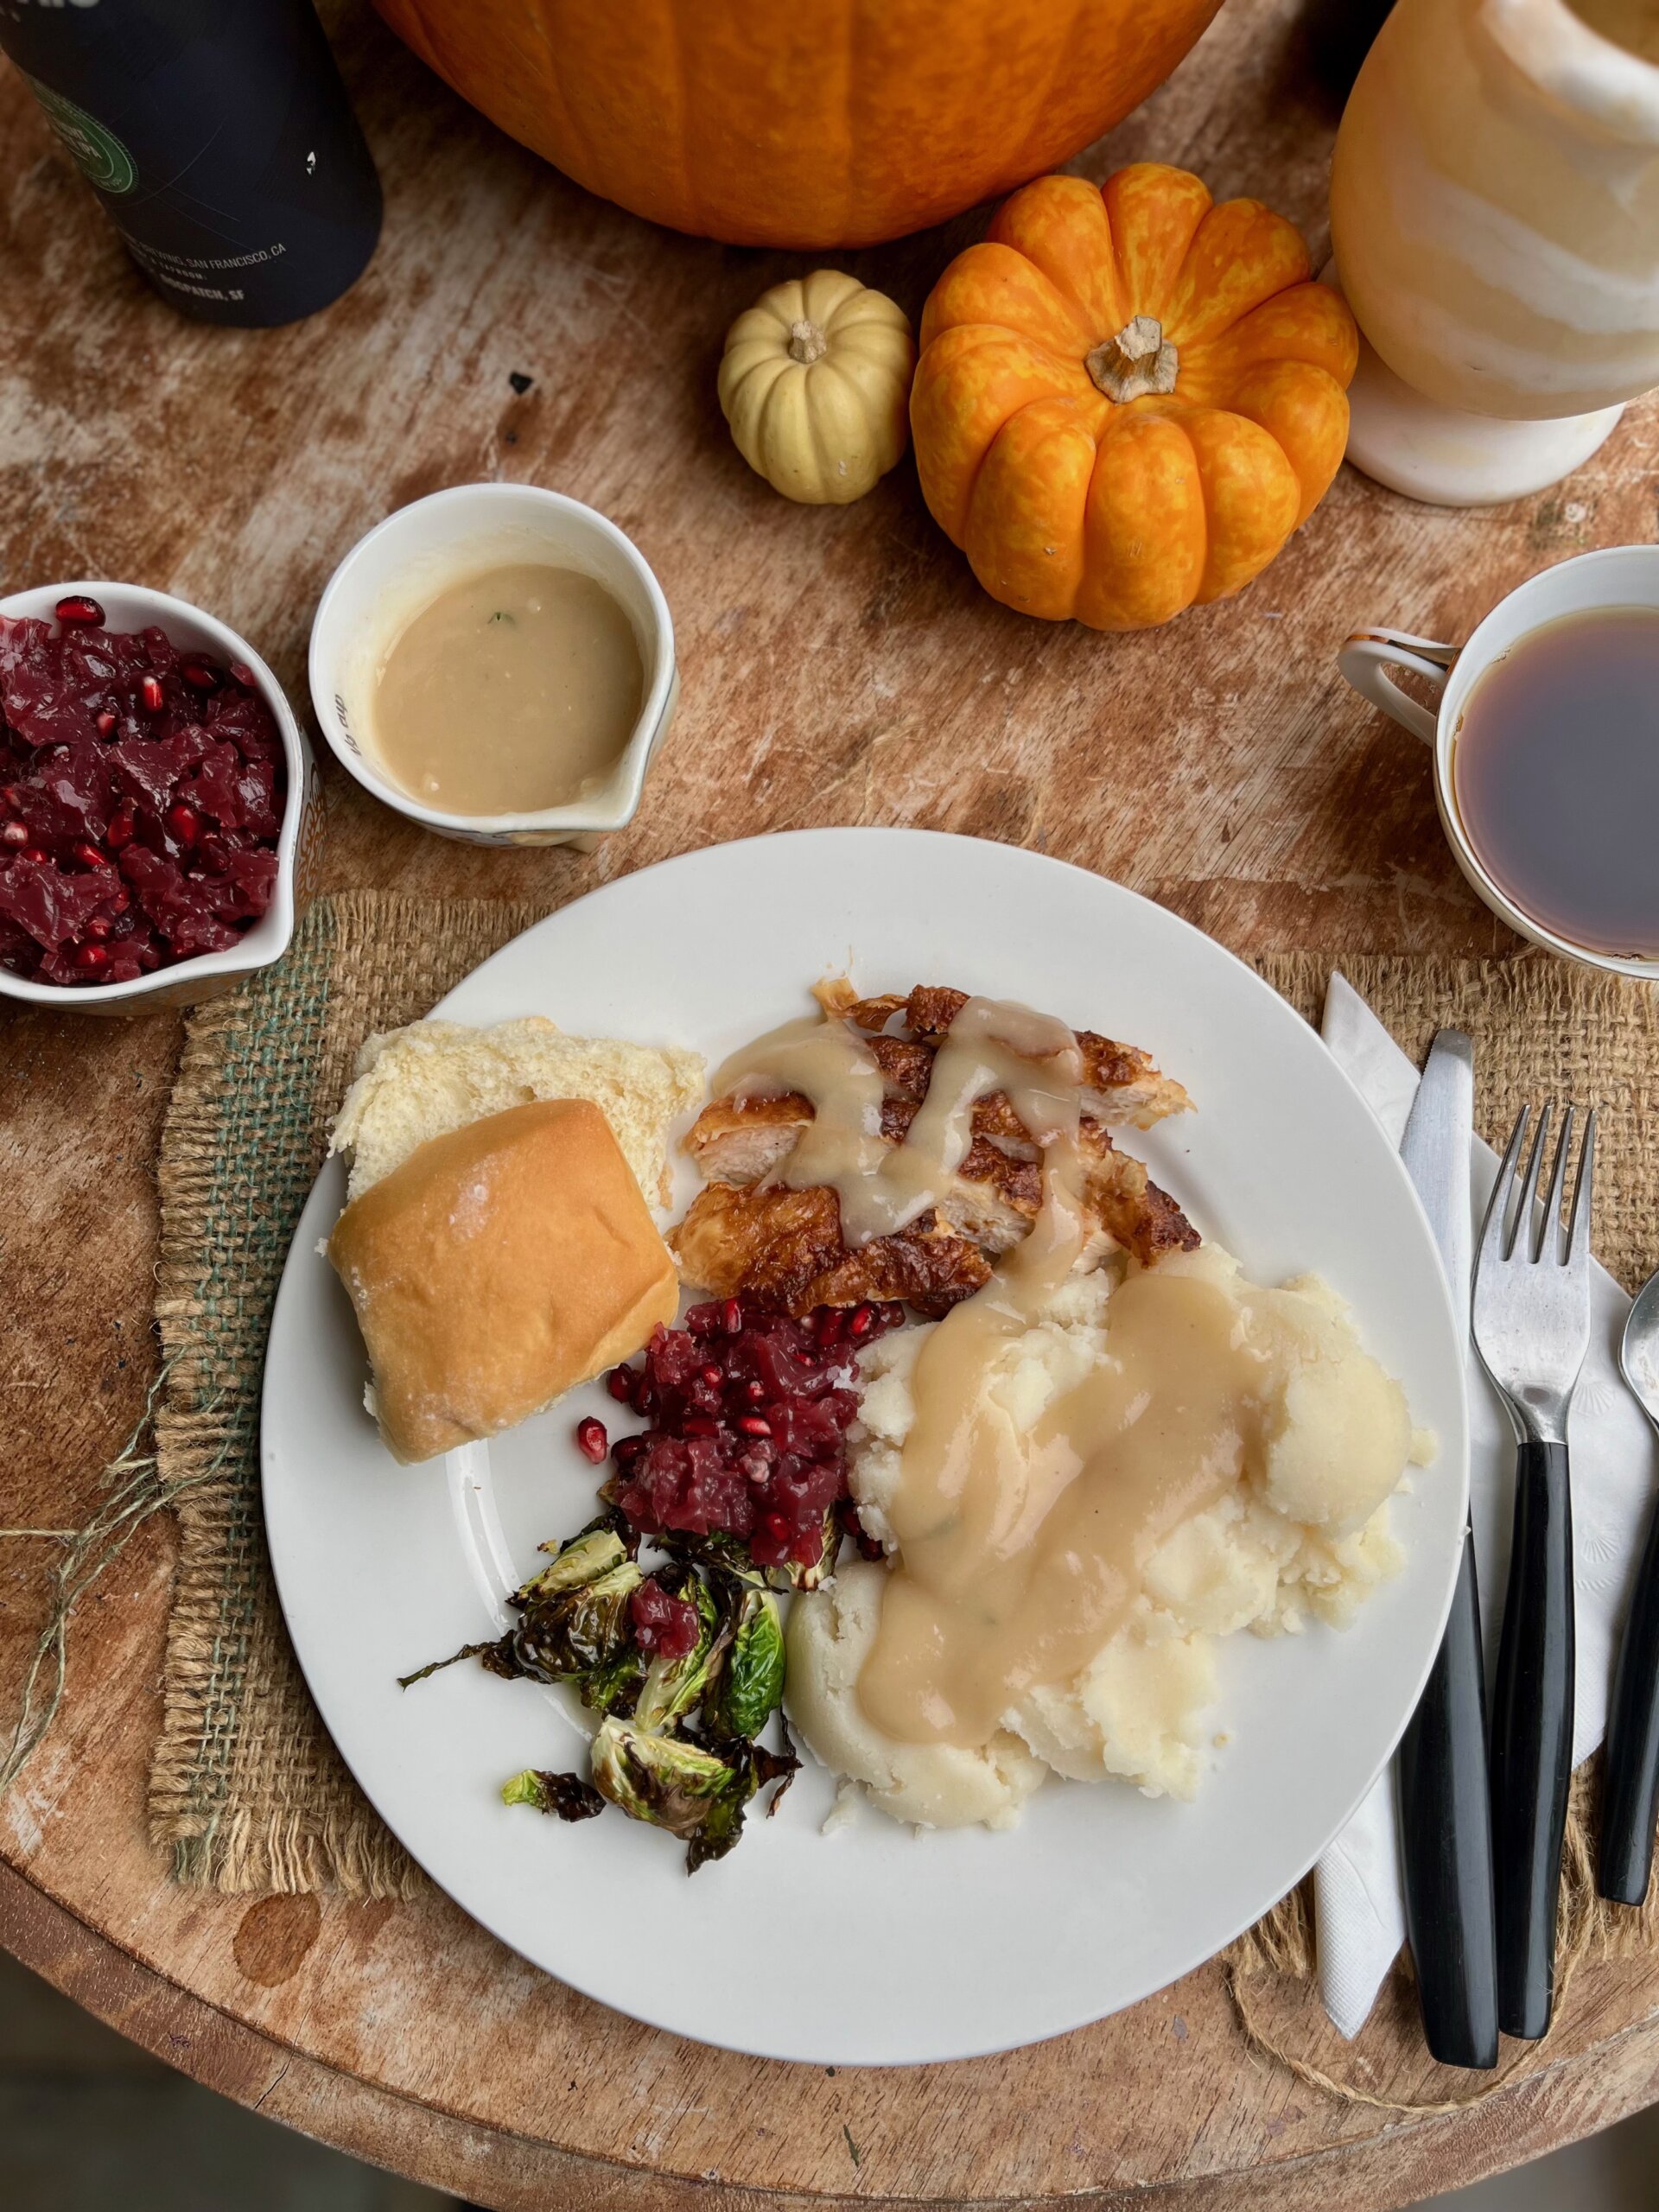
x,y
501,1264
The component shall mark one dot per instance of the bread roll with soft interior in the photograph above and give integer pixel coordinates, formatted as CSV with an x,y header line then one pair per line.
x,y
498,1267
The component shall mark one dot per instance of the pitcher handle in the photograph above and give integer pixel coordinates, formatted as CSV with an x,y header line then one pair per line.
x,y
1368,655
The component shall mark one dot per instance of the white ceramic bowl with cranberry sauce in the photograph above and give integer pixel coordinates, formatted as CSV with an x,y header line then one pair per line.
x,y
134,606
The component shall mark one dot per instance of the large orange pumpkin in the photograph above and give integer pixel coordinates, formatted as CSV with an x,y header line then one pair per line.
x,y
1127,399
801,123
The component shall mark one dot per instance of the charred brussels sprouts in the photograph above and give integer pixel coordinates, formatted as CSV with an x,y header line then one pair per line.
x,y
578,1629
584,1559
693,1793
566,1795
697,1791
673,1687
614,1687
748,1686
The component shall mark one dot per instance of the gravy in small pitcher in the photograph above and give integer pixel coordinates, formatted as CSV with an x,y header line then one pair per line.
x,y
512,691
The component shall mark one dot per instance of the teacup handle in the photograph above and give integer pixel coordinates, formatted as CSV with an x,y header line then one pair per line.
x,y
1368,655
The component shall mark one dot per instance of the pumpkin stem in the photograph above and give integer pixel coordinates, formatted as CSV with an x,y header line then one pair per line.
x,y
807,342
1139,361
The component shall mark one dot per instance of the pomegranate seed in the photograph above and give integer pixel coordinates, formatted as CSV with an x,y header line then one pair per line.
x,y
755,1392
149,692
862,1321
98,929
893,1313
8,797
199,673
627,1449
828,1326
77,612
31,853
106,721
120,830
753,1424
93,956
119,899
644,1398
620,1382
591,1439
776,1527
699,1425
184,822
13,833
731,1317
243,674
713,1376
89,855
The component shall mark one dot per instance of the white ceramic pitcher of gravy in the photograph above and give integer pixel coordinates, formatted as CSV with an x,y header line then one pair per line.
x,y
406,561
1621,575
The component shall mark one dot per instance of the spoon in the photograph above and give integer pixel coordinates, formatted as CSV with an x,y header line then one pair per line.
x,y
1631,1787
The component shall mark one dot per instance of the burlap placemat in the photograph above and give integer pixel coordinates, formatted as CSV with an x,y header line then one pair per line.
x,y
246,1789
245,1786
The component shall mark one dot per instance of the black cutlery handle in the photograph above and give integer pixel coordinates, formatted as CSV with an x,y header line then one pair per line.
x,y
1446,1842
1532,1738
1630,1800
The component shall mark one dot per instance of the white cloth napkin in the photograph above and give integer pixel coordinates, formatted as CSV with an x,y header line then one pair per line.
x,y
1358,1905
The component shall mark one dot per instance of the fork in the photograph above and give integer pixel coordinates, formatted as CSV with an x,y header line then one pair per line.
x,y
1532,1329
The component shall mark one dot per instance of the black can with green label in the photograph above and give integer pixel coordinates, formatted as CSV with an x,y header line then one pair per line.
x,y
219,138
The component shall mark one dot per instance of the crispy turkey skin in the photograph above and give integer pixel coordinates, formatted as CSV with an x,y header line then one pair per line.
x,y
748,1234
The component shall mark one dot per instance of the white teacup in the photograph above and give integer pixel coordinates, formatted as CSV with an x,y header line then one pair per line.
x,y
1621,575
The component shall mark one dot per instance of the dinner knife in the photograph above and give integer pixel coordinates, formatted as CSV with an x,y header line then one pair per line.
x,y
1445,1803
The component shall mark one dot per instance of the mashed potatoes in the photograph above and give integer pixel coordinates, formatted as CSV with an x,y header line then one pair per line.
x,y
1301,1533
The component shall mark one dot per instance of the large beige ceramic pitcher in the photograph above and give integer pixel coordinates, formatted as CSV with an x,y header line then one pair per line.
x,y
1495,208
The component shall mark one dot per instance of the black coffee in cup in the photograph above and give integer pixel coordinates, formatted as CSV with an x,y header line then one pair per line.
x,y
1555,778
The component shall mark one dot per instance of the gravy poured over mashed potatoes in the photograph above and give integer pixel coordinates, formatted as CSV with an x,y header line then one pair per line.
x,y
1223,1454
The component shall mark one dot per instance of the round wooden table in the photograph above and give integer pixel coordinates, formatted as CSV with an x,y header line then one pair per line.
x,y
840,666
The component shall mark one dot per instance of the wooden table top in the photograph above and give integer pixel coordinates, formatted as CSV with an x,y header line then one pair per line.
x,y
839,667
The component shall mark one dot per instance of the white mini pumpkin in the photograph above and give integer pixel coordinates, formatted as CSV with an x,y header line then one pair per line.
x,y
814,383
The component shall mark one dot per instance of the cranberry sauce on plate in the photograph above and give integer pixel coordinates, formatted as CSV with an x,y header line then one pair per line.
x,y
140,797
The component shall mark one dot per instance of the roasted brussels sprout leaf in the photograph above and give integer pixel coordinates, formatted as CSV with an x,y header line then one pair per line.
x,y
606,1542
584,1559
566,1795
748,1684
578,1629
697,1791
614,1687
780,1767
497,1656
673,1687
694,1793
718,1550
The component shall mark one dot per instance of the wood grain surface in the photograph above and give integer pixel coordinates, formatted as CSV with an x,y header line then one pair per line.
x,y
839,666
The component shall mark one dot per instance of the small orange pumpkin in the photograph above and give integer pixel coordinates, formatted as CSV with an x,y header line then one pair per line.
x,y
1127,399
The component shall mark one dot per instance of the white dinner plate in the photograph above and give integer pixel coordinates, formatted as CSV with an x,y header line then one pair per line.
x,y
873,1944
